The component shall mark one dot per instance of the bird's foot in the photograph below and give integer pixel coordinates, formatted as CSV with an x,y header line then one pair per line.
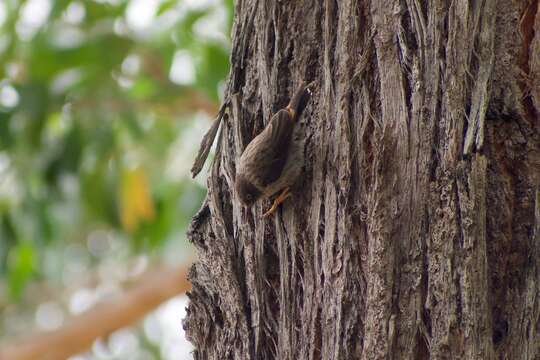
x,y
279,200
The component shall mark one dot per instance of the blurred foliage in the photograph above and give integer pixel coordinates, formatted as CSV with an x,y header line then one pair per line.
x,y
97,101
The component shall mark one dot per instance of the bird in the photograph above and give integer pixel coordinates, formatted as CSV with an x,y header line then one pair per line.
x,y
273,160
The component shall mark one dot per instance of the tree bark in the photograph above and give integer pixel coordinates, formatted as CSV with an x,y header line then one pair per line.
x,y
414,232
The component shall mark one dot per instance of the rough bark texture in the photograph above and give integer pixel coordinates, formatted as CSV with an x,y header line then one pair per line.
x,y
415,230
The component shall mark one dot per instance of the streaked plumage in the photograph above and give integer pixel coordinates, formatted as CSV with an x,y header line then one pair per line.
x,y
273,159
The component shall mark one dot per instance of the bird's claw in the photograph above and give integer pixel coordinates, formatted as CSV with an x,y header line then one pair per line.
x,y
280,199
270,211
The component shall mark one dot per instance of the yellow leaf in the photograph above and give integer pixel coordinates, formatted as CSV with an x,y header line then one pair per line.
x,y
136,202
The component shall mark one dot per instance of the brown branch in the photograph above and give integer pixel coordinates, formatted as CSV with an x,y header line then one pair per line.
x,y
187,102
79,334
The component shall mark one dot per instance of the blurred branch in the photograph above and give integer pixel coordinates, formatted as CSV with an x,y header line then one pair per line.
x,y
78,335
187,102
195,101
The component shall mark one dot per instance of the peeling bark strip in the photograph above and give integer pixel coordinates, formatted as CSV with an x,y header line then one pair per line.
x,y
414,232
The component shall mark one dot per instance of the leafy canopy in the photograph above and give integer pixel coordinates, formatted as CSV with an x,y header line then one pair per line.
x,y
97,101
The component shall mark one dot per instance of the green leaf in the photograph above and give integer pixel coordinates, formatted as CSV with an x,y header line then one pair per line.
x,y
22,265
212,67
166,6
143,88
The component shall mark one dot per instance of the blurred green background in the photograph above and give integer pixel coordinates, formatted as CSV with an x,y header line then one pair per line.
x,y
102,107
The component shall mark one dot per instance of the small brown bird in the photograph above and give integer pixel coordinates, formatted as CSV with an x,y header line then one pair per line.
x,y
273,160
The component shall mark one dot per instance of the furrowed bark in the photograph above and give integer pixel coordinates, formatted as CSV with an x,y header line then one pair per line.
x,y
414,231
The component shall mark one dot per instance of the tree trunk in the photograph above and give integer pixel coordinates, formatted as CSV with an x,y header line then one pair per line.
x,y
414,232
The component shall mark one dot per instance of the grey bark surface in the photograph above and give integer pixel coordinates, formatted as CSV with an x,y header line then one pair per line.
x,y
414,232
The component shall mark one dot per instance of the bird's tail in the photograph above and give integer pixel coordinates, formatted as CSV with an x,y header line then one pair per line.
x,y
299,100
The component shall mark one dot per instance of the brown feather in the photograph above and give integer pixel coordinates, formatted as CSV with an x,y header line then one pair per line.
x,y
273,159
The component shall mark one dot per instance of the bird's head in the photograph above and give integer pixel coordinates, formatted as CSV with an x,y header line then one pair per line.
x,y
247,192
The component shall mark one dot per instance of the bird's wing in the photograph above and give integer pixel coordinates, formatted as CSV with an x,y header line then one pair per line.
x,y
273,148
